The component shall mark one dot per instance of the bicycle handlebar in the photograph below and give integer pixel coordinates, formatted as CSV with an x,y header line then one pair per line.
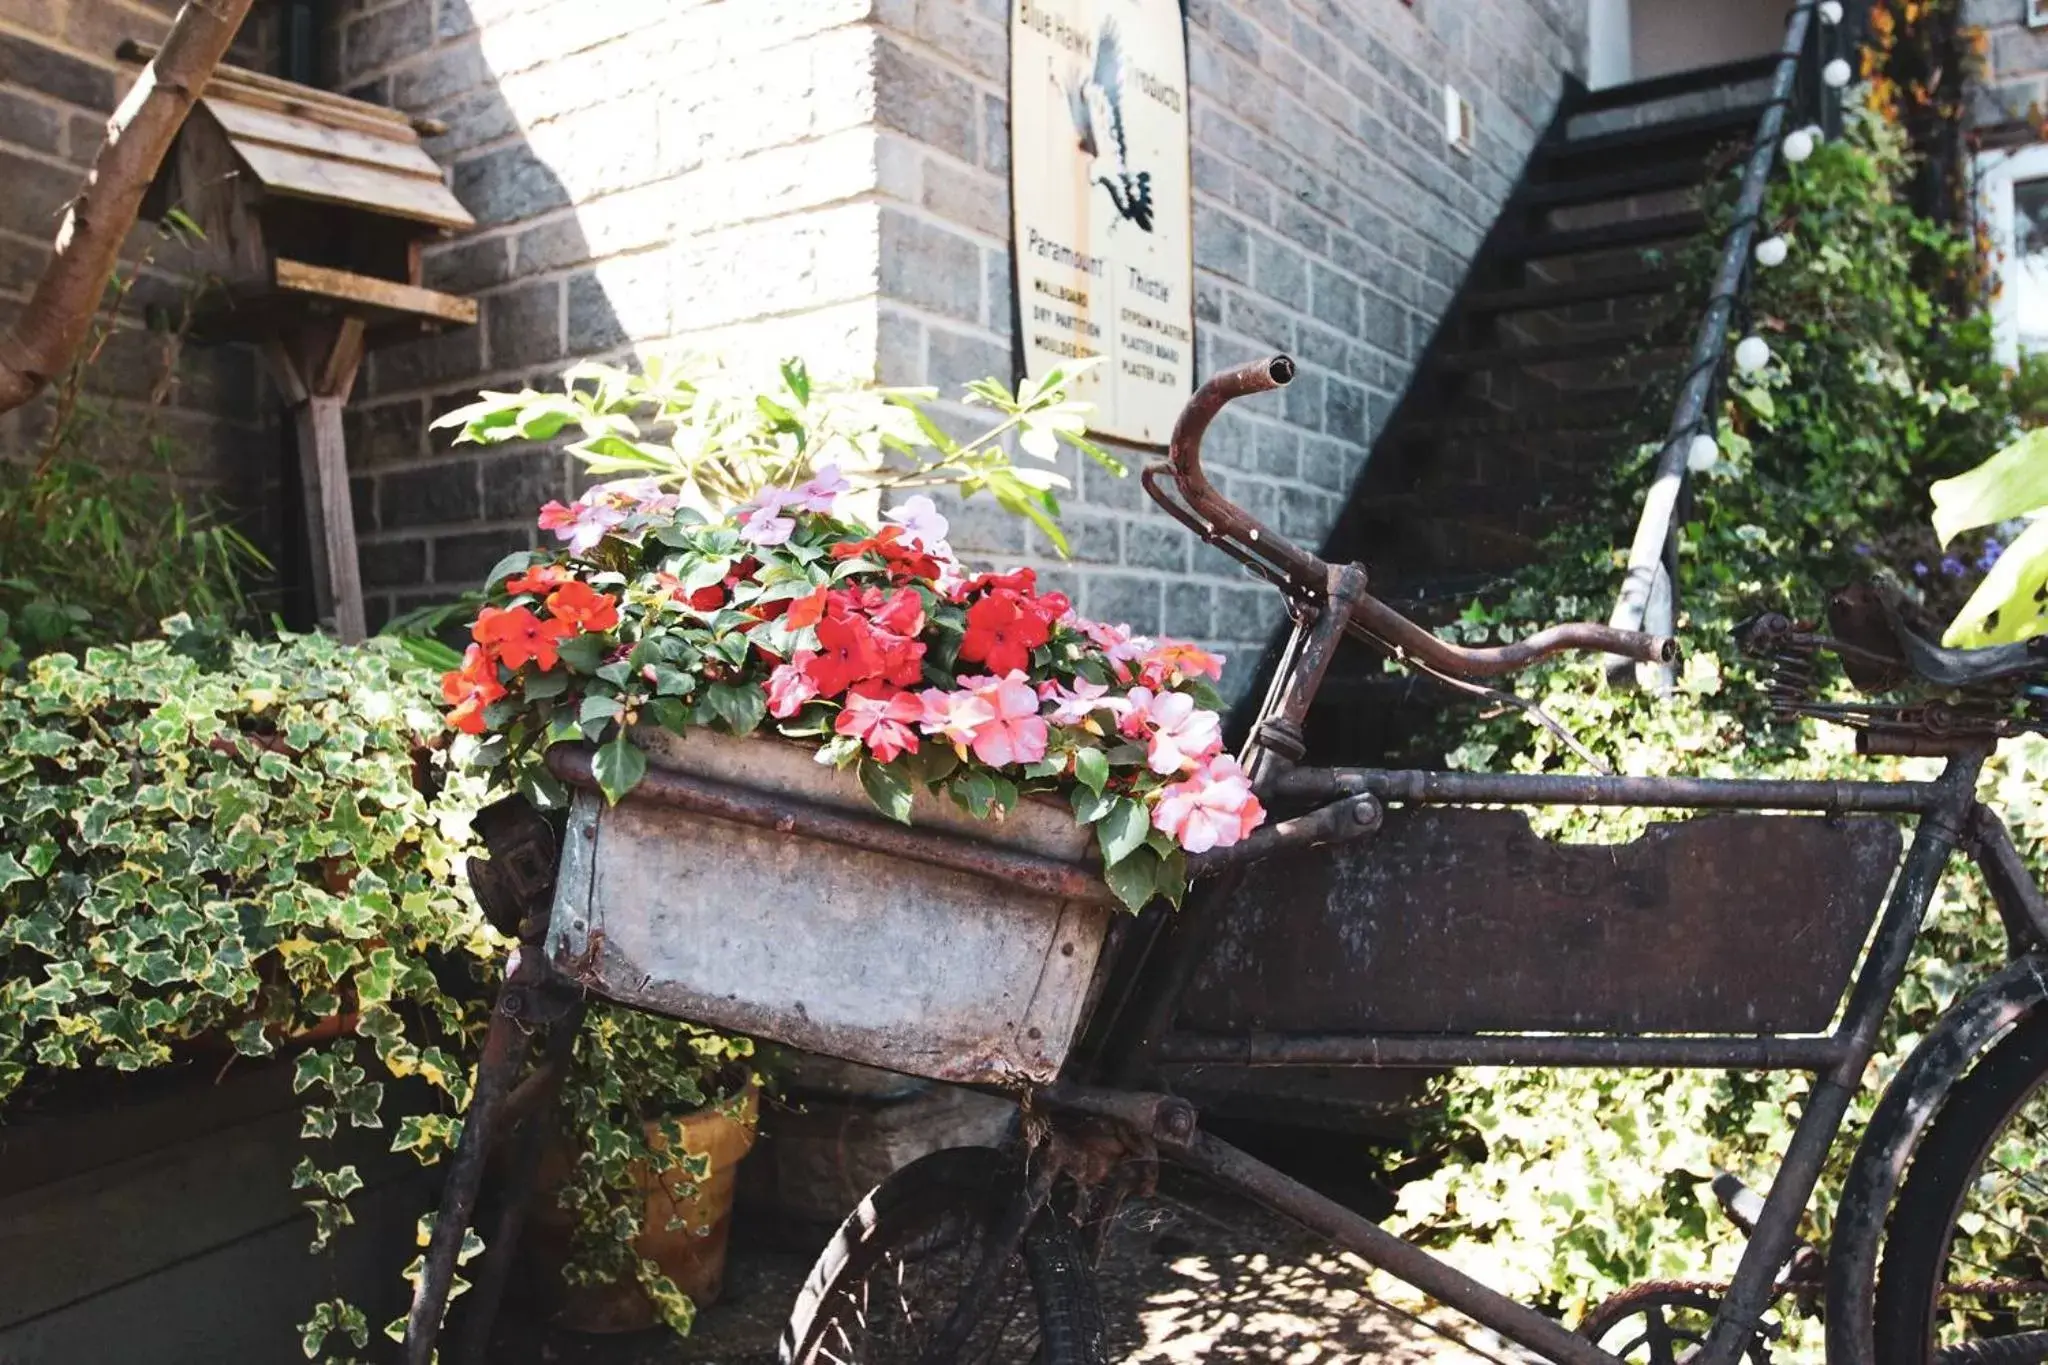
x,y
1217,519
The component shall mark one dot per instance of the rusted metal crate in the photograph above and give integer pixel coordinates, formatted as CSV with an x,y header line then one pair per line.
x,y
746,887
1463,921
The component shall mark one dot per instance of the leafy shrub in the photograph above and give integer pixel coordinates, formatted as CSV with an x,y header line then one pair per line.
x,y
1824,463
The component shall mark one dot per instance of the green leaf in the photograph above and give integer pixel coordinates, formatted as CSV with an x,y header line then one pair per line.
x,y
741,706
1134,880
1123,829
618,767
542,686
2008,605
888,787
1091,770
2009,484
584,653
1090,806
11,871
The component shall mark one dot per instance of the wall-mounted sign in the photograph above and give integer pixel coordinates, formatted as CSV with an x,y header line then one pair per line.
x,y
1099,188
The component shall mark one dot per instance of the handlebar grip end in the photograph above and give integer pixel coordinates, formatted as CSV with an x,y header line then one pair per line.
x,y
1665,647
1281,369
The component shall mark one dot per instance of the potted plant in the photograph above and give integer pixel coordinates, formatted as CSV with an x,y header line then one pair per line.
x,y
634,1195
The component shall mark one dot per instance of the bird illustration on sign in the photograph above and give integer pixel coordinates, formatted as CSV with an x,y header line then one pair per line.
x,y
1096,102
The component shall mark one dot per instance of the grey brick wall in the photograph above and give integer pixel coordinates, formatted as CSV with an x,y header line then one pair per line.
x,y
58,83
1332,221
830,177
2013,86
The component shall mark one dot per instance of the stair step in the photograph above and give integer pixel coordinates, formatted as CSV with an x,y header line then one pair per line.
x,y
1532,298
1588,416
1678,83
1663,139
1546,353
1634,232
1660,178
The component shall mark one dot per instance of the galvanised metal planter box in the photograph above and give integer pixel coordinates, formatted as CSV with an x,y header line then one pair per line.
x,y
747,887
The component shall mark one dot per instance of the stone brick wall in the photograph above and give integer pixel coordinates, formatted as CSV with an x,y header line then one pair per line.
x,y
645,173
1332,220
2013,86
58,83
830,177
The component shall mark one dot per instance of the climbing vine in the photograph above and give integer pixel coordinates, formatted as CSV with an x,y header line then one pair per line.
x,y
1823,459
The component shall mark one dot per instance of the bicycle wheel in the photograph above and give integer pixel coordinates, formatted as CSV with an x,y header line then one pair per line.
x,y
1964,1277
884,1285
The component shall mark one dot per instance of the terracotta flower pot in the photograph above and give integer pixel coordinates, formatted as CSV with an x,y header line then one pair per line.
x,y
692,1254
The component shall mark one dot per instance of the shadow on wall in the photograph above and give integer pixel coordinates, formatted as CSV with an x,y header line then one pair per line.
x,y
205,411
433,517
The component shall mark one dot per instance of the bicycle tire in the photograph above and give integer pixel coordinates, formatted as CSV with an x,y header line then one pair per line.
x,y
971,1185
1920,1233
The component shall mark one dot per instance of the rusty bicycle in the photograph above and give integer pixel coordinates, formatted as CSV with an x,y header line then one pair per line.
x,y
1389,919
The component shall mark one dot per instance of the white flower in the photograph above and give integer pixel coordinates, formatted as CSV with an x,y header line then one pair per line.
x,y
1703,454
922,523
1799,146
1837,73
1771,251
1752,355
1831,11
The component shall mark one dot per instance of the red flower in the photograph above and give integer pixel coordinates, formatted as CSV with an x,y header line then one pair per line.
x,y
903,560
518,637
902,660
470,688
847,653
809,609
540,581
583,608
902,614
882,717
1002,630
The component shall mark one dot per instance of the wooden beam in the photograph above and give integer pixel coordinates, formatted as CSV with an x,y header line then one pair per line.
x,y
330,517
367,291
228,76
281,170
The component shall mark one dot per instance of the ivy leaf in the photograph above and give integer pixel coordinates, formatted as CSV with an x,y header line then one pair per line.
x,y
1091,770
888,788
1123,830
618,767
11,871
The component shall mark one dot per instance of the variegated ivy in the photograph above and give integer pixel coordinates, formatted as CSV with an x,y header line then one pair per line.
x,y
213,846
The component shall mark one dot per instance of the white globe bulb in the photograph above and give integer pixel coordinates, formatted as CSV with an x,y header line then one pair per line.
x,y
1831,11
1837,73
1798,146
1752,355
1703,454
1771,252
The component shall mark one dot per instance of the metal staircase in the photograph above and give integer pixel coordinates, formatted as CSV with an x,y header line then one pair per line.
x,y
1573,338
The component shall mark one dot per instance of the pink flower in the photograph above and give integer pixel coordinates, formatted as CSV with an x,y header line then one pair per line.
x,y
881,716
1015,733
818,492
1074,707
766,526
958,716
1178,733
922,525
1214,808
790,686
582,523
604,508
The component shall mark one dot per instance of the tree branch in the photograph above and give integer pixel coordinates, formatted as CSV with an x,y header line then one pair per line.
x,y
47,335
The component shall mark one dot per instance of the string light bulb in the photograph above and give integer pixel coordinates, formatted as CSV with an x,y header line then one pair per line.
x,y
1702,454
1771,252
1752,355
1799,146
1837,73
1831,11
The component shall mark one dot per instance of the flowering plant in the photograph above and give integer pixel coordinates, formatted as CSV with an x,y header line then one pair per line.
x,y
875,645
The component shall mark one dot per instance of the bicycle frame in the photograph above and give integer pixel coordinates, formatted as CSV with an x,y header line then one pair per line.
x,y
1135,1029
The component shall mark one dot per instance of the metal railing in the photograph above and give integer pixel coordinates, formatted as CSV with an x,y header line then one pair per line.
x,y
1799,97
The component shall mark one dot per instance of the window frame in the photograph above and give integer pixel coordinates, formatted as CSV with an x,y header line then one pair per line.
x,y
1997,172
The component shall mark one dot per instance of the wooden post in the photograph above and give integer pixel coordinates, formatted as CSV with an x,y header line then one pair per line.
x,y
316,376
